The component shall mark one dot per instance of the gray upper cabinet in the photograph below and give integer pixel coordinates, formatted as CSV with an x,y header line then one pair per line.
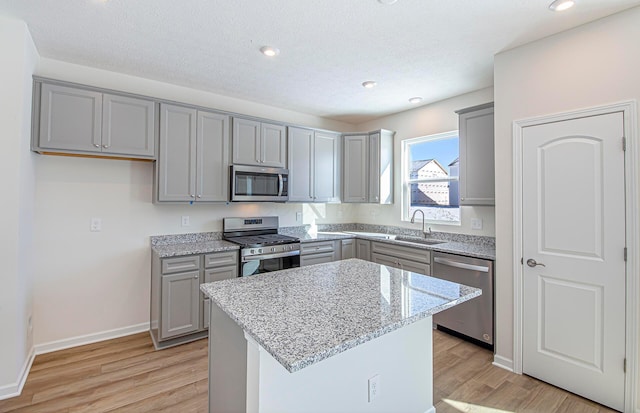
x,y
259,143
87,121
477,176
128,125
193,162
368,168
314,173
355,166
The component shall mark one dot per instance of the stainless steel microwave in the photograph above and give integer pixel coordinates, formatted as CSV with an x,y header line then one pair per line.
x,y
259,184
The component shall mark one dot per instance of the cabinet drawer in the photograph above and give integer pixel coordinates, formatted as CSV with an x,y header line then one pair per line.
x,y
316,247
400,251
403,264
180,264
222,273
316,259
220,259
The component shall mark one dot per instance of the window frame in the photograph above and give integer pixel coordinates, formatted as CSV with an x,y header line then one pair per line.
x,y
406,181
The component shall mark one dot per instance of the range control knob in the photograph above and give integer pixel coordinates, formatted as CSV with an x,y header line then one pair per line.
x,y
253,251
273,249
260,251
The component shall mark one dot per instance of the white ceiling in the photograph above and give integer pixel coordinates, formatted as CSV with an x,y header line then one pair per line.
x,y
434,49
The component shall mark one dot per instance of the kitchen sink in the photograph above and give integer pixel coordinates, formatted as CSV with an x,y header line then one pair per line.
x,y
371,234
415,240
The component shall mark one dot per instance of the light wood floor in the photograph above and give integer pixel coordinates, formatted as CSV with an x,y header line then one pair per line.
x,y
127,375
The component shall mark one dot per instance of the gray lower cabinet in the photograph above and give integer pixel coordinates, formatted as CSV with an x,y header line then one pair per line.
x,y
259,143
477,176
71,119
179,310
363,249
319,252
403,257
180,304
193,159
348,248
314,173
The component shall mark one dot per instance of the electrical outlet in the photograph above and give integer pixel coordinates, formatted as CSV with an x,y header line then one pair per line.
x,y
186,221
298,216
374,387
476,223
96,225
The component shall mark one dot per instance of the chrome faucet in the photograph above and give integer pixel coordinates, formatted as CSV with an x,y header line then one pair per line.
x,y
413,220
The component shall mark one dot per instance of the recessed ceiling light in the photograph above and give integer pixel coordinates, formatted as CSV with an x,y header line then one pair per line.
x,y
387,1
560,5
416,99
269,51
369,84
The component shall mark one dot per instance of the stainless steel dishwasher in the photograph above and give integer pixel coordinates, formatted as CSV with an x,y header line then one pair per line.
x,y
473,318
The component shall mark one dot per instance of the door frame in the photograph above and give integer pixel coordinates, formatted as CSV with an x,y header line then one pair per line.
x,y
632,163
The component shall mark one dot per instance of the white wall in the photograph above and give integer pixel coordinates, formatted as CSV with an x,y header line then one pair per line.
x,y
591,65
422,121
19,58
88,282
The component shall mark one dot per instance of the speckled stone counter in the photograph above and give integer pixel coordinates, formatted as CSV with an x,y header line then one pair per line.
x,y
304,315
176,245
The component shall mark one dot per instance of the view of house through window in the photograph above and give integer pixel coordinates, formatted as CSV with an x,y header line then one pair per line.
x,y
430,177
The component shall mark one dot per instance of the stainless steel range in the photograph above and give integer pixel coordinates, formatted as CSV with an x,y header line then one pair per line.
x,y
262,249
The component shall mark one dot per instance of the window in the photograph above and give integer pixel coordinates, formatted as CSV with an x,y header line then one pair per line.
x,y
430,178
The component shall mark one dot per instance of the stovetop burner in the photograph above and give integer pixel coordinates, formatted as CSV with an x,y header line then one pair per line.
x,y
249,241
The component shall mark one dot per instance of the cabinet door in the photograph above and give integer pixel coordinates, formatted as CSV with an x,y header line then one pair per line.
x,y
176,164
300,165
180,304
356,153
326,169
363,249
477,176
273,145
128,126
348,248
70,119
246,142
212,151
374,167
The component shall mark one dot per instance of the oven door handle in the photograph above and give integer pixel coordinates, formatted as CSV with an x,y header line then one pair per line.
x,y
280,185
270,256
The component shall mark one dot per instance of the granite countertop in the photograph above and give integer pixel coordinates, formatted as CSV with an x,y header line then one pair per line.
x,y
190,248
304,315
466,248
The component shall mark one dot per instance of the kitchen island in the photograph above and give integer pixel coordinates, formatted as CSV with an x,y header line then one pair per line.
x,y
343,336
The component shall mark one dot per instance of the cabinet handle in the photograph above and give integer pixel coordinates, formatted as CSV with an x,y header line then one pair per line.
x,y
199,196
96,145
105,146
462,198
192,196
196,276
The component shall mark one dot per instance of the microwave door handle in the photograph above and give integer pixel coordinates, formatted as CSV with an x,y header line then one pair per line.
x,y
281,185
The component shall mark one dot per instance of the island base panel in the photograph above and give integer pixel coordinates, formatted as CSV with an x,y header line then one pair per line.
x,y
403,360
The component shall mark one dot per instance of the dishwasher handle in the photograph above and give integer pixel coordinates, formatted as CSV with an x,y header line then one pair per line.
x,y
457,264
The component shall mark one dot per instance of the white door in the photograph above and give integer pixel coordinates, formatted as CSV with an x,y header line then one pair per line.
x,y
574,230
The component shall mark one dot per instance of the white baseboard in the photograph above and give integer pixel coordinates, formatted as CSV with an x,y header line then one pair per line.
x,y
503,363
90,338
13,390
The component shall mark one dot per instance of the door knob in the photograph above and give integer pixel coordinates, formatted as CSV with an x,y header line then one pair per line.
x,y
532,263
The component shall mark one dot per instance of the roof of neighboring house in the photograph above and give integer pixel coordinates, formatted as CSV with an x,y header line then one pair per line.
x,y
417,165
455,161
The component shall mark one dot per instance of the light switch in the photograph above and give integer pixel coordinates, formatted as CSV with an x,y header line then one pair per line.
x,y
186,221
96,225
298,216
476,223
